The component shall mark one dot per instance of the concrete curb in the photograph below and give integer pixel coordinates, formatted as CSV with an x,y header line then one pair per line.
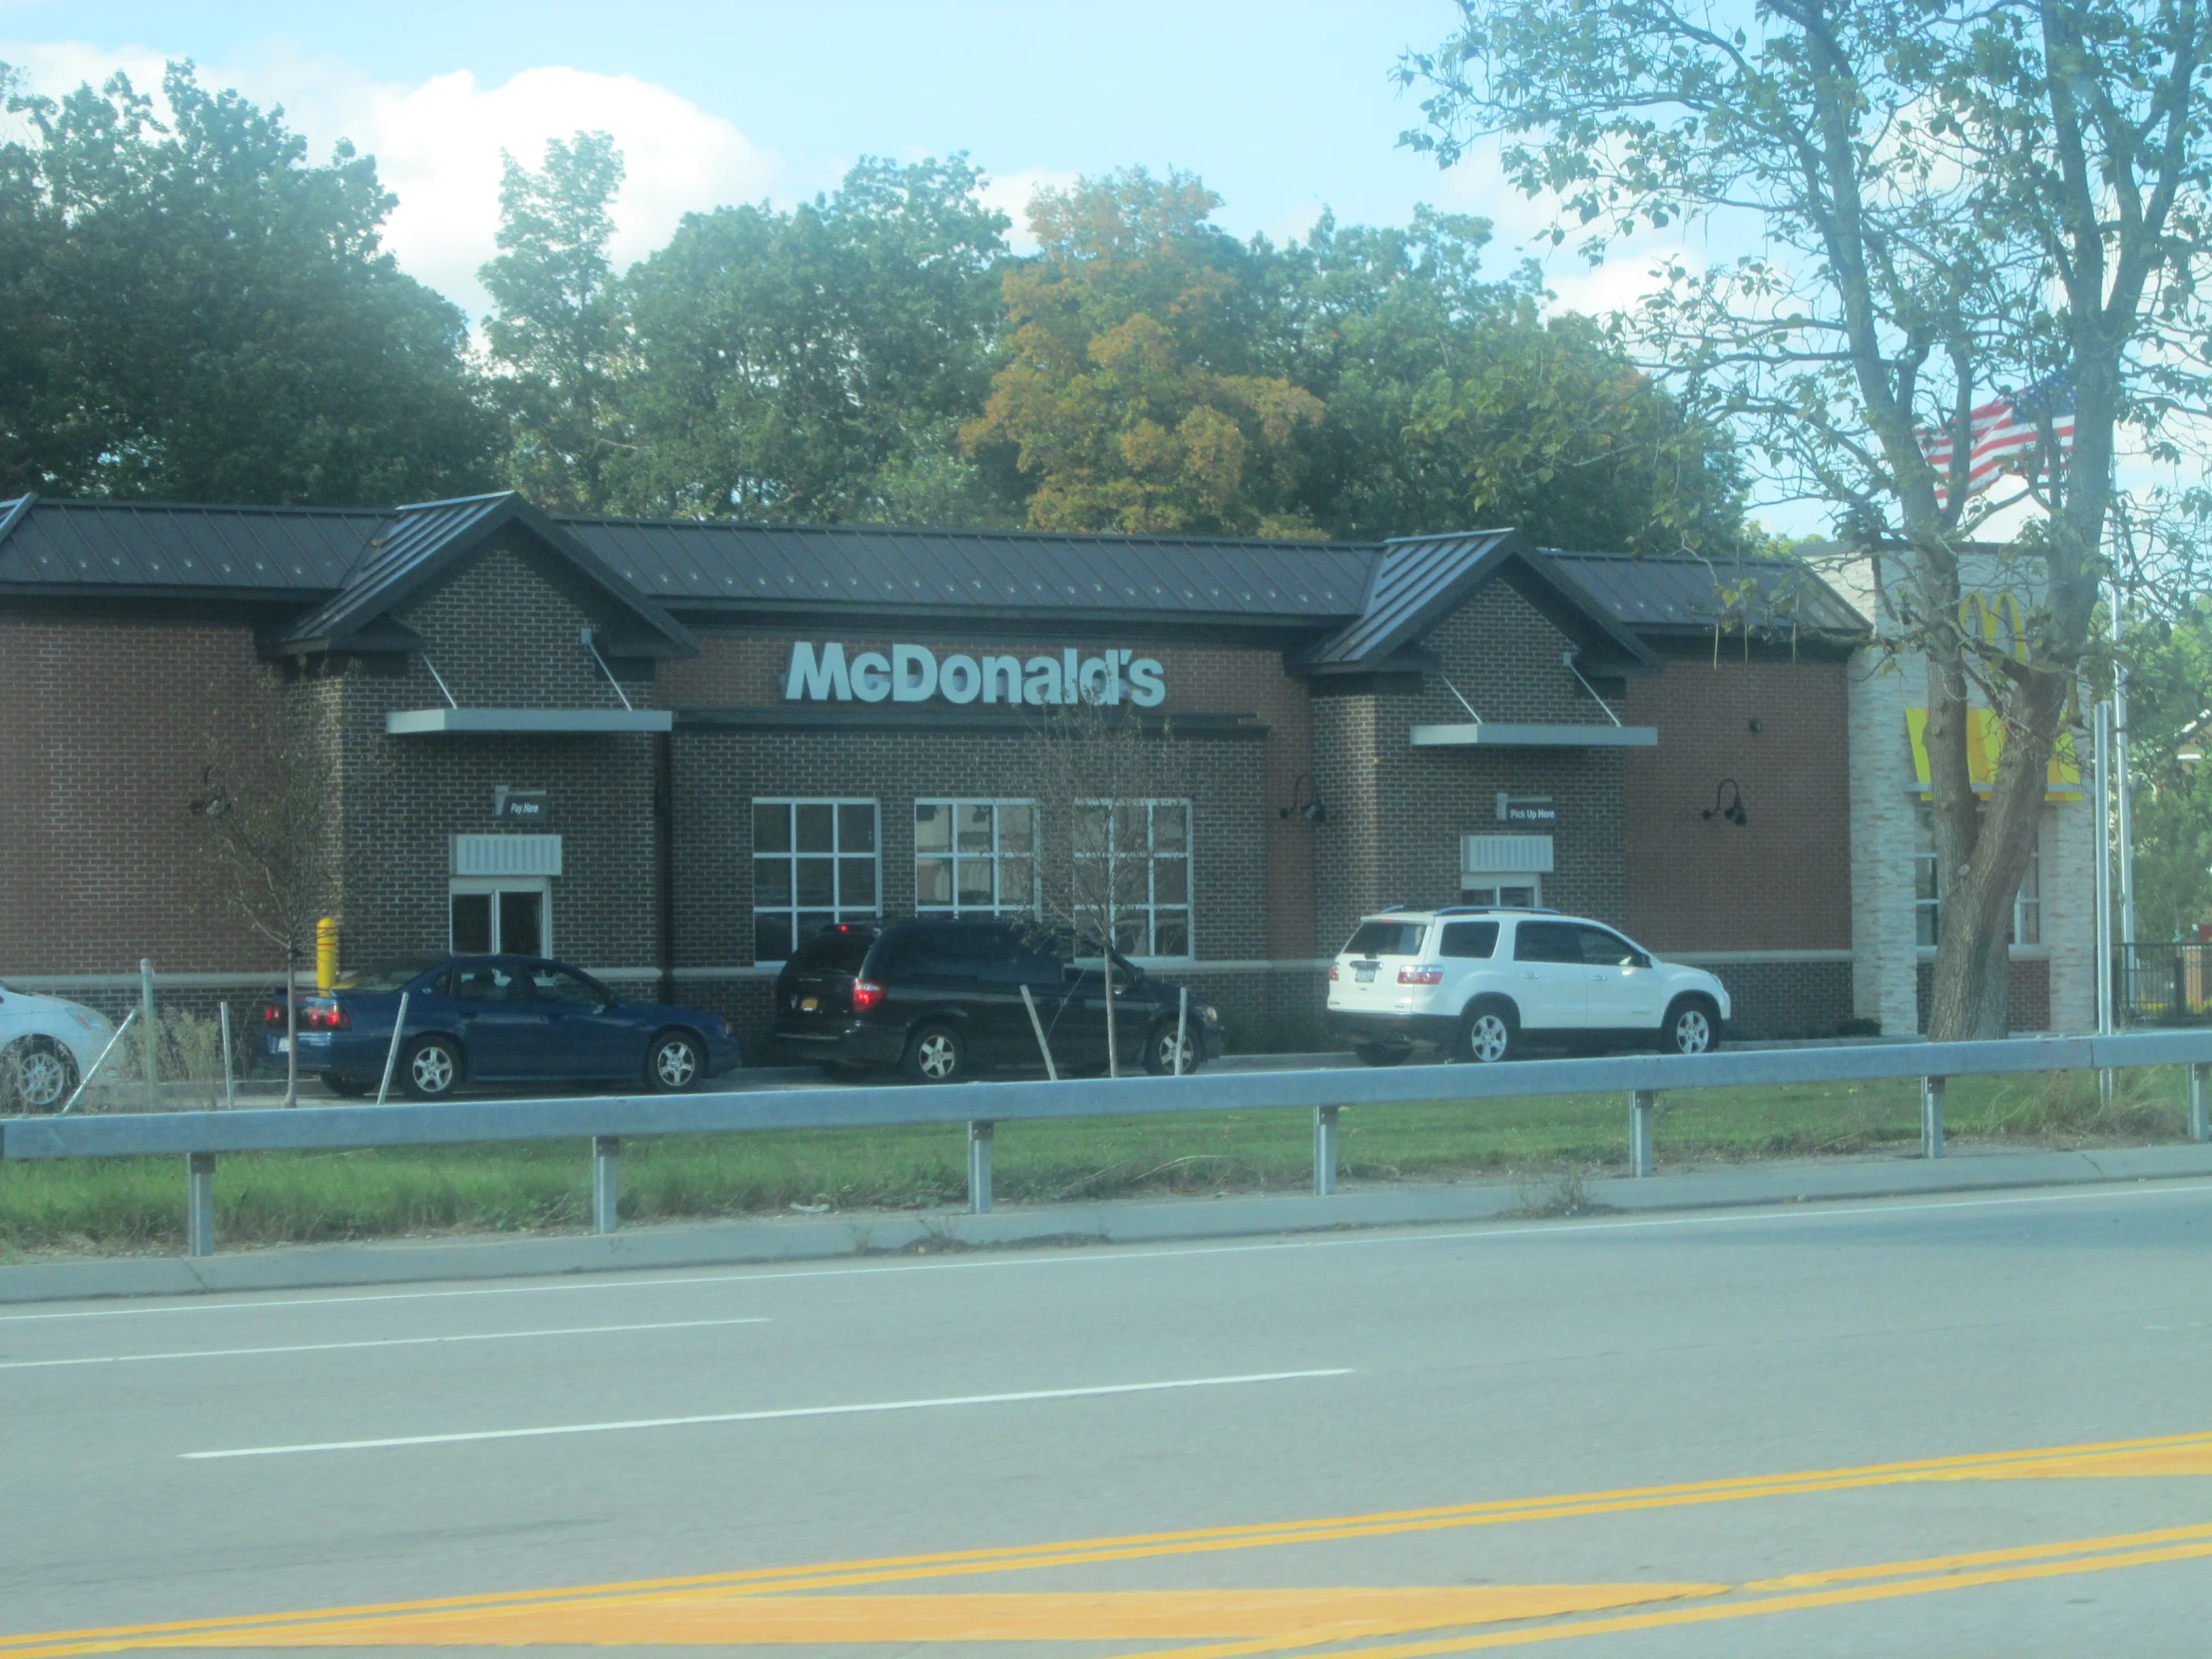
x,y
812,1238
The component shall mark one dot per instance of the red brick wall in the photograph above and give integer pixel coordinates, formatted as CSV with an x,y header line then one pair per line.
x,y
103,728
1782,881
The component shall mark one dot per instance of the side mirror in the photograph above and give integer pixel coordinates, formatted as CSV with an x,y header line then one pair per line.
x,y
1639,960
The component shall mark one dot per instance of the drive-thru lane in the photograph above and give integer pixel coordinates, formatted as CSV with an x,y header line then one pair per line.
x,y
1897,1427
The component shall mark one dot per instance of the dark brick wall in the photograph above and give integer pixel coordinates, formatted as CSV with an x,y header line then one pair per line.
x,y
503,633
1782,881
1785,999
104,728
1397,812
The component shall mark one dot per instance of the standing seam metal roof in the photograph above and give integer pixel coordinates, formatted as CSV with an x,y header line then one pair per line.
x,y
1680,592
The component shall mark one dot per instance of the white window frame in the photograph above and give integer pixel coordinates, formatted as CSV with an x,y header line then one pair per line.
x,y
495,886
838,910
1001,904
1151,907
1928,887
1488,889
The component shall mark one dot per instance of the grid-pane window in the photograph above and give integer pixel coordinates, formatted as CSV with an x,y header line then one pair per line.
x,y
1133,874
1927,900
975,858
814,862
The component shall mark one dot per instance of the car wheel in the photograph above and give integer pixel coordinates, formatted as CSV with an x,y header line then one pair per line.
x,y
1159,1052
1381,1054
936,1055
345,1088
1690,1026
674,1062
431,1068
1489,1033
37,1075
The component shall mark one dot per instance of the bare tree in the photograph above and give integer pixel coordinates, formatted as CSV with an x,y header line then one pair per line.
x,y
1096,766
267,805
1959,215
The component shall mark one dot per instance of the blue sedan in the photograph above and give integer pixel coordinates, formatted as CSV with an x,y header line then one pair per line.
x,y
496,1020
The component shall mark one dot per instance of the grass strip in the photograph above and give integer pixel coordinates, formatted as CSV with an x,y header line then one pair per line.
x,y
124,1204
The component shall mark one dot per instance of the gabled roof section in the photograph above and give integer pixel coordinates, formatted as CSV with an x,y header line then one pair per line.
x,y
702,565
1681,595
170,548
418,545
1421,580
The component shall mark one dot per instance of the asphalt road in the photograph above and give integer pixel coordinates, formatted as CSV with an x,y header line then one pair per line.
x,y
1899,1428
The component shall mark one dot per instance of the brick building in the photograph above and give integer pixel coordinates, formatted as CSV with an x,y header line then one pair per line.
x,y
663,750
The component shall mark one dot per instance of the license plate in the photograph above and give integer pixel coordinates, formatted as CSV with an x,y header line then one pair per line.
x,y
808,1004
1363,973
280,1045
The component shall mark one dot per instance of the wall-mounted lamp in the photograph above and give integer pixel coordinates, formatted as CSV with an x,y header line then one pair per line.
x,y
1733,810
1304,802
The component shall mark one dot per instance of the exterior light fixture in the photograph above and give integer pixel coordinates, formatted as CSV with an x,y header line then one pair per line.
x,y
1733,810
1304,802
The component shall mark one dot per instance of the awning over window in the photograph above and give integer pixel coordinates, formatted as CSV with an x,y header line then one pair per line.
x,y
1984,744
414,722
1493,734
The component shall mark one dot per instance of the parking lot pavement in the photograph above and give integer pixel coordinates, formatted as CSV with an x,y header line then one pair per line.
x,y
1926,1427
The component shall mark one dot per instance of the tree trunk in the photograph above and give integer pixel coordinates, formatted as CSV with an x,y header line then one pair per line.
x,y
1113,1043
291,1030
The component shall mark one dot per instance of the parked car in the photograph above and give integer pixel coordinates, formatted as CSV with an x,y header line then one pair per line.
x,y
941,999
46,1047
1486,985
496,1020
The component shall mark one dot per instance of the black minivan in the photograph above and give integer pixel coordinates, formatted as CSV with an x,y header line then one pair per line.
x,y
940,999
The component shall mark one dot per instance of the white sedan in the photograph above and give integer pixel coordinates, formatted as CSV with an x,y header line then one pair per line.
x,y
46,1047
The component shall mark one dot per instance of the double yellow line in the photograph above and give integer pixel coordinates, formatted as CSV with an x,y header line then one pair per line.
x,y
2170,1454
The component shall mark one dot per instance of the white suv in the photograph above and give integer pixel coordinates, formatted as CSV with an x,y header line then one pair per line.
x,y
1480,983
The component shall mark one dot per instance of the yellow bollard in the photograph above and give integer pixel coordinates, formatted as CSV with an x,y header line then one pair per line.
x,y
326,954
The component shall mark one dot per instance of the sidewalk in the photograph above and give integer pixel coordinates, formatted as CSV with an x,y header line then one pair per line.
x,y
817,1238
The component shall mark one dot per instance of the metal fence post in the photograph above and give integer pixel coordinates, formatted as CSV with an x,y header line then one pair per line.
x,y
1325,1151
200,1204
1931,1117
2200,1102
605,1186
1642,1105
149,1035
979,1168
229,1071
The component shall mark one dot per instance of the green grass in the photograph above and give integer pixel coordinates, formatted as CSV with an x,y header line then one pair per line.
x,y
138,1204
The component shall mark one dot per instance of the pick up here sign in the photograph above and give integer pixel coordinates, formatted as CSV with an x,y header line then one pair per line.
x,y
915,674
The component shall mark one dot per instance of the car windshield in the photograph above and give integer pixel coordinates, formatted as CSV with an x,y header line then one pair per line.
x,y
387,976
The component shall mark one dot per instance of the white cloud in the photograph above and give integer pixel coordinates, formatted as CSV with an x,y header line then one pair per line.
x,y
438,144
1009,193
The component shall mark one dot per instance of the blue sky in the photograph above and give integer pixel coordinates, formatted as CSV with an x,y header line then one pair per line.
x,y
1281,109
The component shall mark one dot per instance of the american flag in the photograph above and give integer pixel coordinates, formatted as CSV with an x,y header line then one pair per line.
x,y
2005,430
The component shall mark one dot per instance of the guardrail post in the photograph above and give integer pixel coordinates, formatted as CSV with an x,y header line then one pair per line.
x,y
1325,1151
2200,1102
200,1204
1643,1105
1931,1117
606,1185
979,1168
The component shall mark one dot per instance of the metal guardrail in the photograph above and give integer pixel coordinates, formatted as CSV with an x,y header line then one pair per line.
x,y
201,1136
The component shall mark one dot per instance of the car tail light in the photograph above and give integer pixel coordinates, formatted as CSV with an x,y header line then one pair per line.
x,y
273,1014
324,1016
1332,973
1420,977
865,995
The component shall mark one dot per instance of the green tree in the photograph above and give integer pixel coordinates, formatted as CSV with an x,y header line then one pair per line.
x,y
1133,397
1452,401
558,330
817,365
191,310
1956,200
2170,725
